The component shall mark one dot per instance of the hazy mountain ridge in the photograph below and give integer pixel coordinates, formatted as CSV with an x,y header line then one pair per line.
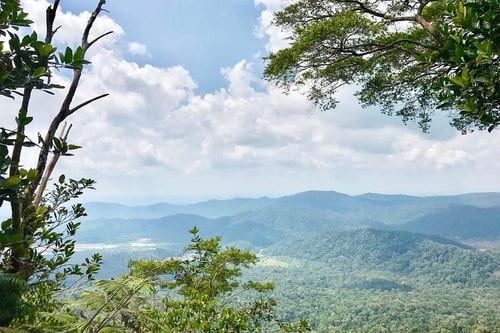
x,y
210,208
474,216
459,222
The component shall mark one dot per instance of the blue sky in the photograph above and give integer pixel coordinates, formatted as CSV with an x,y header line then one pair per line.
x,y
202,36
189,117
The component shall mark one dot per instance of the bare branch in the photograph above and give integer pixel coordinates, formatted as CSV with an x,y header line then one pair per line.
x,y
98,38
79,106
50,15
90,23
50,168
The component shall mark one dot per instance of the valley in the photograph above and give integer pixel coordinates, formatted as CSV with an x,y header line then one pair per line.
x,y
349,264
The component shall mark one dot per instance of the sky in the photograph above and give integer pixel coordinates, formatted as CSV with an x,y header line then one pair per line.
x,y
189,117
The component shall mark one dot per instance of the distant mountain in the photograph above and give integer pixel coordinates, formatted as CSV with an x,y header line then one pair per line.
x,y
320,201
166,229
368,245
173,230
458,222
484,200
211,208
467,216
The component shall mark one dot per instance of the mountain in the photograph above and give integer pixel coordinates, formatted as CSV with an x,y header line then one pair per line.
x,y
173,230
458,222
211,208
321,201
474,216
369,280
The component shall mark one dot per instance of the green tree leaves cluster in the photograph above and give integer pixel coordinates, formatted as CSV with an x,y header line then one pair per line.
x,y
407,57
36,241
472,53
25,60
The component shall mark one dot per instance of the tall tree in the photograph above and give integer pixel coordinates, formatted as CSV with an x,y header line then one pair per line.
x,y
36,241
410,58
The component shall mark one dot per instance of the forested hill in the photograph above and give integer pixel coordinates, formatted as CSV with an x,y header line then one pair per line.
x,y
462,217
416,256
371,280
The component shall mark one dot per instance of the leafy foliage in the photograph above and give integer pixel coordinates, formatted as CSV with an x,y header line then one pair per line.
x,y
472,53
11,291
36,242
408,57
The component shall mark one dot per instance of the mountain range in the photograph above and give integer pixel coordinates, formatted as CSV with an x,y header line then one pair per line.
x,y
257,223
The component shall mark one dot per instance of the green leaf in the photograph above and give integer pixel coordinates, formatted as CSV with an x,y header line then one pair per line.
x,y
68,56
455,38
73,147
468,106
78,53
32,173
465,73
6,224
11,181
458,80
41,210
39,72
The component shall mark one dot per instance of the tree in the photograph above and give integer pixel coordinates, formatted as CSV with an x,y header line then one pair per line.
x,y
199,291
36,241
410,58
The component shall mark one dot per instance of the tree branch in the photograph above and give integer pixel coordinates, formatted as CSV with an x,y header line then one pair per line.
x,y
417,18
65,109
50,168
16,205
81,105
50,15
362,7
99,37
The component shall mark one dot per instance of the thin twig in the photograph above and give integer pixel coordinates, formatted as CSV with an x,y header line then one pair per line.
x,y
81,105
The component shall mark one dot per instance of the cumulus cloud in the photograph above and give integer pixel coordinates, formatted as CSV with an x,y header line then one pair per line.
x,y
155,131
277,38
137,49
72,25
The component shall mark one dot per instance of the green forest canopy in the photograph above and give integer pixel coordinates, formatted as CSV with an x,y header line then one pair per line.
x,y
407,57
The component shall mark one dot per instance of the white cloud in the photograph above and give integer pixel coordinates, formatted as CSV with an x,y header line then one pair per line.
x,y
240,79
277,37
138,49
154,135
153,122
72,25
